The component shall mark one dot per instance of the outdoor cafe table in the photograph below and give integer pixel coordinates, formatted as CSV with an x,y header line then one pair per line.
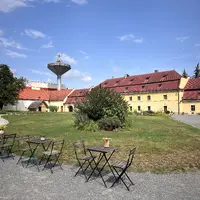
x,y
33,146
103,154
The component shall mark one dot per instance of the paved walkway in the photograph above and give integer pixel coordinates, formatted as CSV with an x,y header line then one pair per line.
x,y
18,183
193,120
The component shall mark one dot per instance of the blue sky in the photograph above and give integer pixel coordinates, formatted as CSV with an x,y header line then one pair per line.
x,y
98,38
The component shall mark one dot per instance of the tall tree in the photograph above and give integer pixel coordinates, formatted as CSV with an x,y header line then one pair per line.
x,y
10,86
197,71
185,75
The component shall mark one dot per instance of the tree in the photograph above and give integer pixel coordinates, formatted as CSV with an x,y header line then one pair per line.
x,y
10,86
197,71
101,103
185,75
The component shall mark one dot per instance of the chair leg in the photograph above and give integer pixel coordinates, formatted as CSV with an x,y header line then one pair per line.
x,y
20,157
129,178
48,159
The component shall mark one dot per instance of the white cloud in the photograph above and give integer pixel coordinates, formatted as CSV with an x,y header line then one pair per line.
x,y
13,71
69,60
34,33
41,73
182,39
48,45
53,1
197,45
10,43
15,54
80,2
49,80
76,74
1,32
130,37
10,5
139,40
83,52
126,37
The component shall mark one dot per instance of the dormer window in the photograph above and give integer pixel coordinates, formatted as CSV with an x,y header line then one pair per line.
x,y
147,78
105,83
126,88
160,85
164,76
142,86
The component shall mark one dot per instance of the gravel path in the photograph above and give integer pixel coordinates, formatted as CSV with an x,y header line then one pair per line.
x,y
193,120
18,183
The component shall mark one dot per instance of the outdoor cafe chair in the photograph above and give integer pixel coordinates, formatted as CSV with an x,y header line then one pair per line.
x,y
6,145
82,157
22,146
52,155
120,167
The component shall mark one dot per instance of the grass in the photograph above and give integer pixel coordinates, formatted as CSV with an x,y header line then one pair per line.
x,y
163,145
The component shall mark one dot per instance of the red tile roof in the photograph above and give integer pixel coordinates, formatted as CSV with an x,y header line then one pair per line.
x,y
29,94
77,96
163,86
191,95
193,83
155,77
56,95
59,95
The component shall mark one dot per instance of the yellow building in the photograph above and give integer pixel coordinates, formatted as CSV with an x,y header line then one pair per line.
x,y
158,91
190,103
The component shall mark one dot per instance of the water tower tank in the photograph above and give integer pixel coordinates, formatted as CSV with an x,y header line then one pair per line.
x,y
59,68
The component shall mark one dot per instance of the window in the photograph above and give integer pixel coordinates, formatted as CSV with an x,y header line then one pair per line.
x,y
149,108
130,98
165,97
138,98
148,97
192,107
130,108
142,86
139,108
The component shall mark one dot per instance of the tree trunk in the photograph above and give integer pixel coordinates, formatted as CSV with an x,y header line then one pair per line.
x,y
1,106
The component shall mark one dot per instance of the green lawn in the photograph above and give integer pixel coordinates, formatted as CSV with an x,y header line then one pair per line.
x,y
163,145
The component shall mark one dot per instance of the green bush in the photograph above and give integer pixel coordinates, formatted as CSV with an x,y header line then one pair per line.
x,y
102,103
110,123
149,113
53,108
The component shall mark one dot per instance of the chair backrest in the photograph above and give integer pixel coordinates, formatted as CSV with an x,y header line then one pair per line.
x,y
57,145
131,156
9,139
79,147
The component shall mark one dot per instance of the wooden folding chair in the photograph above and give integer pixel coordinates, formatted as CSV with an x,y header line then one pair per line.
x,y
22,146
82,157
6,146
120,167
52,156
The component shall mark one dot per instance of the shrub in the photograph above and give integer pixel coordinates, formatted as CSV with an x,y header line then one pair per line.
x,y
53,108
110,123
149,113
103,103
168,112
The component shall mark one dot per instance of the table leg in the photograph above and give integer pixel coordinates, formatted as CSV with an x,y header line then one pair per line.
x,y
32,154
96,167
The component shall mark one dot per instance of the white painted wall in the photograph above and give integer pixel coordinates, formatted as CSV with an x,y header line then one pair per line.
x,y
21,105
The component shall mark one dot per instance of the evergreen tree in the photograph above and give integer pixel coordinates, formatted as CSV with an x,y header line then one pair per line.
x,y
10,86
185,75
197,71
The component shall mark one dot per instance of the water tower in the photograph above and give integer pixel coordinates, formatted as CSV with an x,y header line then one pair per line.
x,y
59,68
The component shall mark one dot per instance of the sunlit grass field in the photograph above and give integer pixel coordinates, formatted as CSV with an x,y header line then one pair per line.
x,y
163,145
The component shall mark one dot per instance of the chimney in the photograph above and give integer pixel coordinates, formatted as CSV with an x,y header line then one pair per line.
x,y
126,75
155,71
